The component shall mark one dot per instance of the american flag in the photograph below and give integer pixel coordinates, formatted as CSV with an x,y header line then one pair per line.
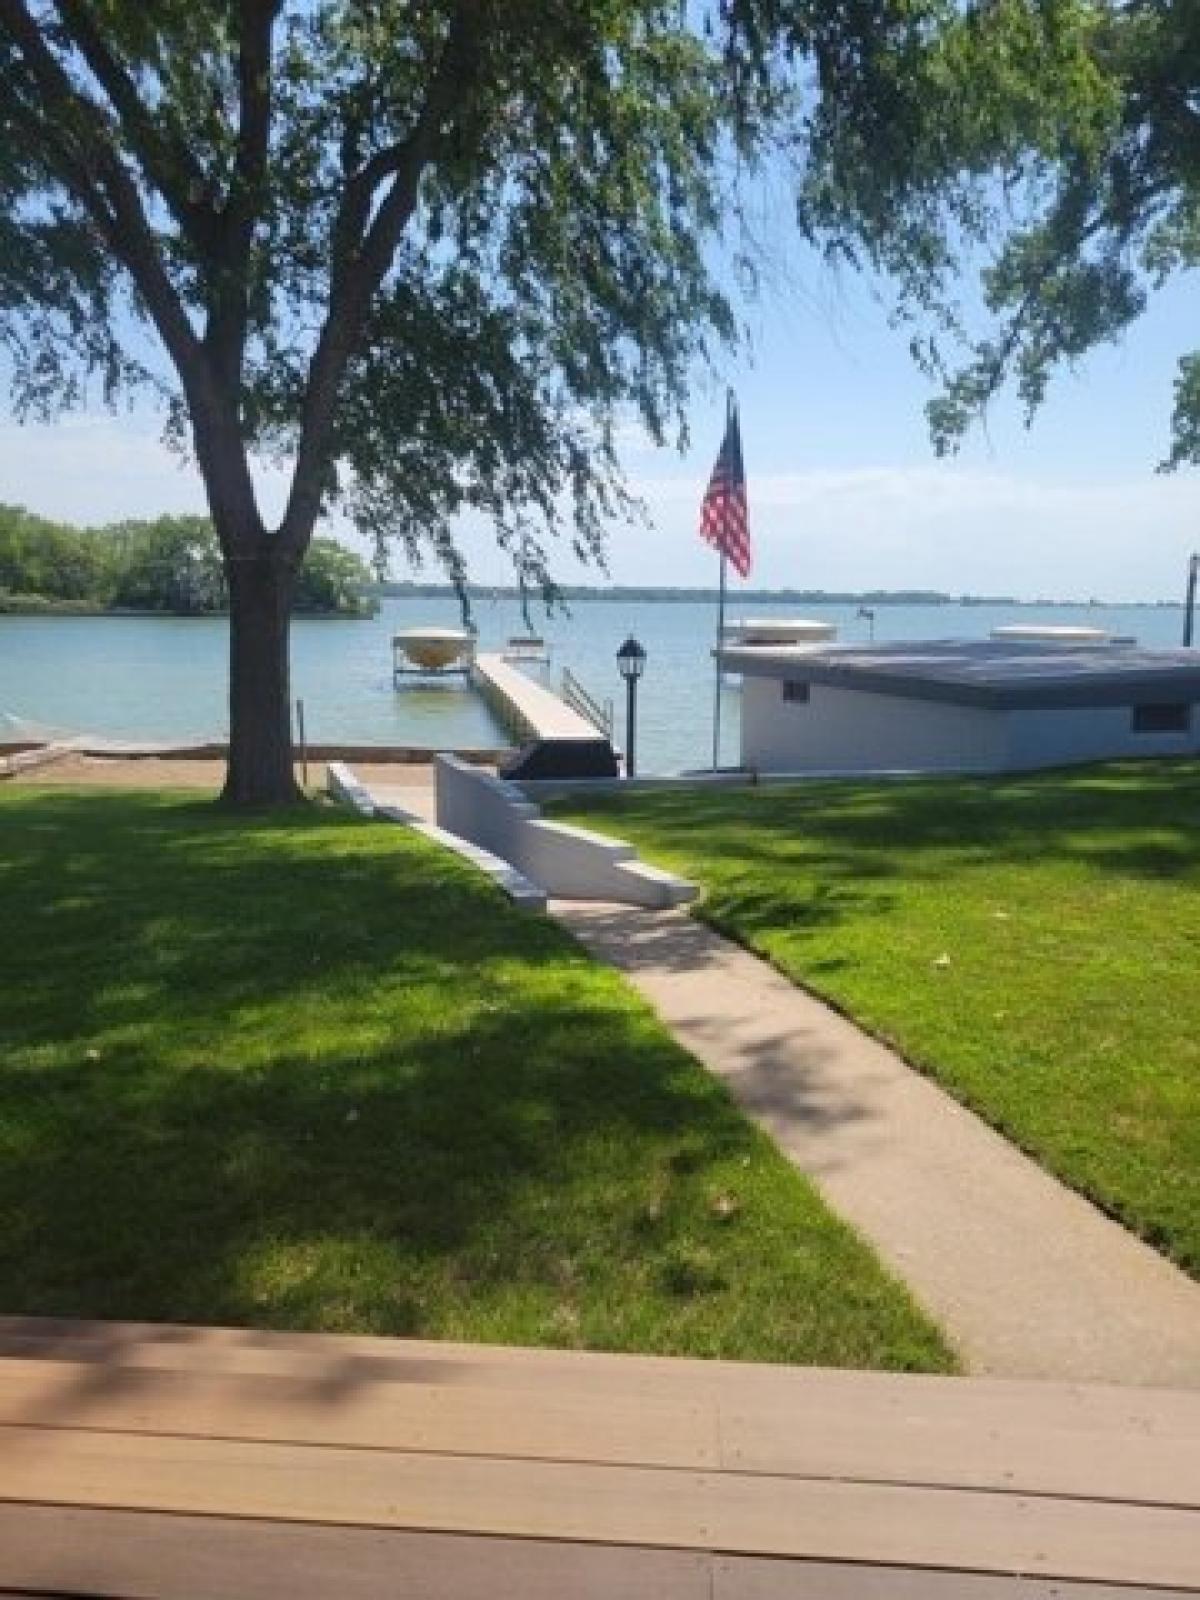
x,y
724,518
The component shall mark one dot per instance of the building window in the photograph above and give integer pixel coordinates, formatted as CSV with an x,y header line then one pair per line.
x,y
794,692
1165,718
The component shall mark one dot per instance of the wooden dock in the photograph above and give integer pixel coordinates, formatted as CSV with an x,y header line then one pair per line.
x,y
527,709
149,1461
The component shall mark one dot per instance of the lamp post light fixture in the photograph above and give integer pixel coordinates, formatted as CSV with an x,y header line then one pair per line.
x,y
631,659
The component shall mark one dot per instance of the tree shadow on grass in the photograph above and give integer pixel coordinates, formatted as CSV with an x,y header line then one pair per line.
x,y
1125,820
306,1073
322,1193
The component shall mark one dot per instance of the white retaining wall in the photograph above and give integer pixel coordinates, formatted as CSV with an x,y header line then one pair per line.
x,y
568,862
342,783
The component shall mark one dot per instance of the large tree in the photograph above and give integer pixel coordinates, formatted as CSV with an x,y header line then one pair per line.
x,y
428,252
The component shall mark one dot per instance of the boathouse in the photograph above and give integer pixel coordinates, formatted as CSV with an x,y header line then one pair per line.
x,y
990,705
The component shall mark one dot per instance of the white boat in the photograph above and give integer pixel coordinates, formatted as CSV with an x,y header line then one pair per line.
x,y
779,630
527,647
432,649
1056,633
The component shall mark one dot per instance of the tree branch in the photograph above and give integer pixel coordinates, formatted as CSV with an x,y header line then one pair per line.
x,y
229,311
61,162
168,164
362,255
355,210
76,133
78,129
994,370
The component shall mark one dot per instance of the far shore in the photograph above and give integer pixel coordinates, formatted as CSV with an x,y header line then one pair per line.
x,y
16,607
654,594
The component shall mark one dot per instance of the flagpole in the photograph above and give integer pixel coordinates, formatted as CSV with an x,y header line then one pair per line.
x,y
730,407
716,761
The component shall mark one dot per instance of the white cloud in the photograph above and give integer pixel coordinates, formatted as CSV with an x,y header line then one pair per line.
x,y
101,468
944,526
94,469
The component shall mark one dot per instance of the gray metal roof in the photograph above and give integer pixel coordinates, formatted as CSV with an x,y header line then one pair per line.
x,y
996,674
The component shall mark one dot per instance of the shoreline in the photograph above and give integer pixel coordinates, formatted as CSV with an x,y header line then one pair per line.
x,y
35,606
801,597
204,774
218,749
61,608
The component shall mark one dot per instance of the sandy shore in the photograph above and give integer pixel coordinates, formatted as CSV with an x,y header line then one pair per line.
x,y
161,772
144,772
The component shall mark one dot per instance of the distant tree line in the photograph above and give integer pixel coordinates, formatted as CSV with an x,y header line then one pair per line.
x,y
165,564
408,589
812,597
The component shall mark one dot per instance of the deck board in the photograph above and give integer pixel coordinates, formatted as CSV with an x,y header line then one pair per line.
x,y
519,1419
213,1350
753,1578
171,1461
953,1438
146,1556
183,1347
729,1512
151,1556
1100,1443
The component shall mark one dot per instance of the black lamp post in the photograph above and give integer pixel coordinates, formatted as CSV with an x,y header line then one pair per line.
x,y
631,659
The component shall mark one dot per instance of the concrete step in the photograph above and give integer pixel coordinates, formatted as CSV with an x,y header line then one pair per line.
x,y
665,888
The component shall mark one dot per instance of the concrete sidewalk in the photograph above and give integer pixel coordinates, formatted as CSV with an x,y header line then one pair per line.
x,y
411,788
1026,1278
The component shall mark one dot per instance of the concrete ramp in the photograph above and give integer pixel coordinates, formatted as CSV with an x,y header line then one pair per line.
x,y
492,825
568,862
345,787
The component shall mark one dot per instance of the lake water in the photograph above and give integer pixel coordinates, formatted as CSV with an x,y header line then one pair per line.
x,y
164,678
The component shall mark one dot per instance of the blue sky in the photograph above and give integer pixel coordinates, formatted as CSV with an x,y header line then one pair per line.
x,y
845,492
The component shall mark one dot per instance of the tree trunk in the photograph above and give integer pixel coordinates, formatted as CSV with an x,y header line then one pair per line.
x,y
261,770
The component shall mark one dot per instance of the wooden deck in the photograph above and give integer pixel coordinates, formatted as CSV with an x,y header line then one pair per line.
x,y
145,1461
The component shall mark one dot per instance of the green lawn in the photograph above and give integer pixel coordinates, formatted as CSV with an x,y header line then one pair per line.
x,y
1031,942
311,1072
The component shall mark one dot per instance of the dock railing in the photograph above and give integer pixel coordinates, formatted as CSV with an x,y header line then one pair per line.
x,y
600,715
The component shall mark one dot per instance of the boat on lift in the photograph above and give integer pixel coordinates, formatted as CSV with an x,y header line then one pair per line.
x,y
431,650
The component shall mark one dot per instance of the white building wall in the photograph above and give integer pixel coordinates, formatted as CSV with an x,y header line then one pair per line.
x,y
846,730
1090,733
